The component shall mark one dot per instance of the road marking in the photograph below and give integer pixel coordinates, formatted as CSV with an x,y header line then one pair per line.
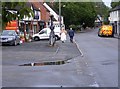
x,y
32,64
57,50
78,68
79,49
94,85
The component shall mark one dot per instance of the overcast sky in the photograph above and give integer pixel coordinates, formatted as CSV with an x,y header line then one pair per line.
x,y
107,2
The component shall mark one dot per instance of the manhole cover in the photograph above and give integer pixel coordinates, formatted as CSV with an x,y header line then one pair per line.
x,y
45,63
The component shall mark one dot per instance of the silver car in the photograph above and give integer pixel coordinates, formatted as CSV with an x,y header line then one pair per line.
x,y
9,37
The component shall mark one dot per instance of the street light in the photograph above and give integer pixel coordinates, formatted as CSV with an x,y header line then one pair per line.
x,y
60,13
60,16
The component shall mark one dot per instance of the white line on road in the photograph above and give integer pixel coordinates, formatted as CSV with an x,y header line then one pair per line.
x,y
57,50
94,85
79,49
78,68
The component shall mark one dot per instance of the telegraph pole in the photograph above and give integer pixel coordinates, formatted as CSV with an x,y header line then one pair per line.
x,y
52,34
60,13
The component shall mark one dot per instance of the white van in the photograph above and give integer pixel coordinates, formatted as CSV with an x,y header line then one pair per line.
x,y
45,32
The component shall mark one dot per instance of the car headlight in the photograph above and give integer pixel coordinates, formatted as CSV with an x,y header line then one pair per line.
x,y
10,38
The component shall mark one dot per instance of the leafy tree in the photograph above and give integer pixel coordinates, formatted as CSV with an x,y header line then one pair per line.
x,y
114,4
101,8
20,8
77,13
103,11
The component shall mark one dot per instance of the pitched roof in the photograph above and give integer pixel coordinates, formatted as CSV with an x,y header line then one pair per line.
x,y
115,9
57,12
35,7
44,6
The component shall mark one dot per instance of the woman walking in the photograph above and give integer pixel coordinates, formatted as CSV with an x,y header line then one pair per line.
x,y
63,35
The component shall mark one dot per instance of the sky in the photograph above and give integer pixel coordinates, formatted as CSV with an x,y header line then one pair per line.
x,y
107,2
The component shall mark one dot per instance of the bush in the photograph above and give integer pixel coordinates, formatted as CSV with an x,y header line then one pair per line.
x,y
106,22
74,27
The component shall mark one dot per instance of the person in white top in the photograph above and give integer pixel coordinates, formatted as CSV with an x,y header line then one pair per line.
x,y
63,35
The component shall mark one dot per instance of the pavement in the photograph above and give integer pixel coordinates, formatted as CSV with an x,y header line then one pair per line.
x,y
76,71
42,76
39,52
62,51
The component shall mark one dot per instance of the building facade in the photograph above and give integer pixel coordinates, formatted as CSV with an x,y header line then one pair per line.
x,y
57,18
29,25
115,19
45,14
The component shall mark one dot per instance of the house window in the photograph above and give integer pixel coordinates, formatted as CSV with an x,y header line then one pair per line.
x,y
35,29
36,15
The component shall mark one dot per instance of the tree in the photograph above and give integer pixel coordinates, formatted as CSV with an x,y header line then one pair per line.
x,y
103,11
77,13
20,10
114,4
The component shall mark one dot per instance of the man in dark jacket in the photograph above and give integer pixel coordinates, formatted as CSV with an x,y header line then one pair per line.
x,y
71,34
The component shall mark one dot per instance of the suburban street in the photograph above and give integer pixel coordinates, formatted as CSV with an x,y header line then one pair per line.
x,y
91,61
101,56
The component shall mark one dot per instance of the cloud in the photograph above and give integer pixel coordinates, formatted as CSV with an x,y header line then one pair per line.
x,y
107,2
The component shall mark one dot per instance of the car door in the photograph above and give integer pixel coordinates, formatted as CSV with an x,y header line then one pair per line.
x,y
43,34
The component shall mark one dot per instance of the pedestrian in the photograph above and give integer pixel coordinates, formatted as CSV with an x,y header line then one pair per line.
x,y
63,34
71,34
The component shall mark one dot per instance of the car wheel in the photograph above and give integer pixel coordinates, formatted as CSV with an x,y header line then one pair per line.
x,y
19,43
99,33
15,43
36,38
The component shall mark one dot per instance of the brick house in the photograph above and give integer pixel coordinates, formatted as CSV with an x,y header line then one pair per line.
x,y
45,14
57,18
33,25
29,25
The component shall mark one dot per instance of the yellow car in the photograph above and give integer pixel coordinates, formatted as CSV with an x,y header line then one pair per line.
x,y
106,30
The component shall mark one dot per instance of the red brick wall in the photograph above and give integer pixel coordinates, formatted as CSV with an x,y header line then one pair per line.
x,y
44,12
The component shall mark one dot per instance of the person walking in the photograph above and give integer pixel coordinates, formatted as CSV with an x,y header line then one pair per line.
x,y
63,35
71,35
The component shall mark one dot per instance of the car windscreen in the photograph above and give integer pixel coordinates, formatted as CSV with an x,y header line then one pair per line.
x,y
8,33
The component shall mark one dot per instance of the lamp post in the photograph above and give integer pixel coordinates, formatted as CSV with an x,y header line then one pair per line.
x,y
60,13
52,34
18,22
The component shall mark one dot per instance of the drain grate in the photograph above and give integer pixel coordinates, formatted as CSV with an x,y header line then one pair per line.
x,y
45,63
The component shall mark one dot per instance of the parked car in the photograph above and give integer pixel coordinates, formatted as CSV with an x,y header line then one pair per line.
x,y
45,33
10,37
106,30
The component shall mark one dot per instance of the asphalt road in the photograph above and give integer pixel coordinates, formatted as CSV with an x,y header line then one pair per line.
x,y
71,74
97,67
101,56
